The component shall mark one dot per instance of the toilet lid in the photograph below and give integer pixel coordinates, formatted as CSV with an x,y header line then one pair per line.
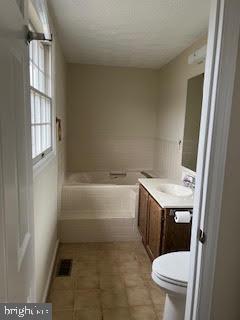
x,y
173,266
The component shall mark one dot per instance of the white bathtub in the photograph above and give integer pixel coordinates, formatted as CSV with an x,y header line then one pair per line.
x,y
99,206
103,178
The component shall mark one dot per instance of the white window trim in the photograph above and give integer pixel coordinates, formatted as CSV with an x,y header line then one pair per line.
x,y
40,160
39,166
43,163
47,151
50,156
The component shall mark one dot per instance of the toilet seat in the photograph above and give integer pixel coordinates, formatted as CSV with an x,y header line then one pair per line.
x,y
169,280
170,288
173,266
171,270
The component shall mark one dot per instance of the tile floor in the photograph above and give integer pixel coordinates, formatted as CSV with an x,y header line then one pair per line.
x,y
109,281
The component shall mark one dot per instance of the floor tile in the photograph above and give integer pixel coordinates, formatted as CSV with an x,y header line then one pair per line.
x,y
62,283
106,246
87,282
125,246
63,315
86,258
113,298
145,267
111,281
143,258
107,255
129,267
62,299
87,298
152,284
160,315
143,313
90,247
88,314
140,250
67,251
133,280
157,295
146,276
126,257
159,309
108,266
108,279
116,314
83,269
138,296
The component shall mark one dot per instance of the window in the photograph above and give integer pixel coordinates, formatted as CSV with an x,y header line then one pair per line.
x,y
41,102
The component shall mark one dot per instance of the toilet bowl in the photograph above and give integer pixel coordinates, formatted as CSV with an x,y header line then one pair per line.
x,y
170,271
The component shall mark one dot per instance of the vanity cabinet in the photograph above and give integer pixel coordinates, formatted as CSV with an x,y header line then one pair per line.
x,y
160,234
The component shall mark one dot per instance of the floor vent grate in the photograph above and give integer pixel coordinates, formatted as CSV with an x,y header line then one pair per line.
x,y
64,268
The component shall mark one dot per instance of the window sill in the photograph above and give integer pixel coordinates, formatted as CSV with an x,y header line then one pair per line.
x,y
43,163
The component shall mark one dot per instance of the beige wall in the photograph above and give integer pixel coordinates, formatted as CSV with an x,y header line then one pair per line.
x,y
128,118
172,79
60,106
47,186
111,117
225,303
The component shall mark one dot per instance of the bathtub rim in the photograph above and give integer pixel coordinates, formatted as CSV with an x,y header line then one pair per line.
x,y
68,174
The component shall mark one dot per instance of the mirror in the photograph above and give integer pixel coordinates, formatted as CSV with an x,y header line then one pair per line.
x,y
192,122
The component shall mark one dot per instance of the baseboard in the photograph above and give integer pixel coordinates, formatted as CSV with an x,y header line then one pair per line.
x,y
45,293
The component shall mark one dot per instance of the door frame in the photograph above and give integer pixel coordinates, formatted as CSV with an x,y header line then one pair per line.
x,y
221,62
3,266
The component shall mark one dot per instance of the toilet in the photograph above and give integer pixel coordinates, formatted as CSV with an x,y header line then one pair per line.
x,y
170,272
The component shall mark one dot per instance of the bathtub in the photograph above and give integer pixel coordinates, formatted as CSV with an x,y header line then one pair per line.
x,y
103,178
99,206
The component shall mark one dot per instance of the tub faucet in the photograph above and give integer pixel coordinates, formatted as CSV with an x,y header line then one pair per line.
x,y
189,181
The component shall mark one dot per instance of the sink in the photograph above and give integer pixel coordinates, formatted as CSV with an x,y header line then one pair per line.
x,y
175,190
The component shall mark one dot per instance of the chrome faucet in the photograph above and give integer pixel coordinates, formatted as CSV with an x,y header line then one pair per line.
x,y
189,181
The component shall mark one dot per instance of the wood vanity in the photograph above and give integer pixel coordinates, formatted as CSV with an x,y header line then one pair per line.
x,y
160,234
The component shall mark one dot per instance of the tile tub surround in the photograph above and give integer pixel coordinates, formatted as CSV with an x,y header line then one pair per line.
x,y
165,200
109,281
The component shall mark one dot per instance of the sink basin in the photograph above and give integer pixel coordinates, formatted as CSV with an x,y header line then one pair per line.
x,y
175,190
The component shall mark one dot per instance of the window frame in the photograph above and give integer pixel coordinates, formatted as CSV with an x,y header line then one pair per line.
x,y
42,157
45,152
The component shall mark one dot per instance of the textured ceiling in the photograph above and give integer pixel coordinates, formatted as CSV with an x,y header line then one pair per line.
x,y
137,33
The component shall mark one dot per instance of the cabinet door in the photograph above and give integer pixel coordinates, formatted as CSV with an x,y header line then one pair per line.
x,y
155,222
177,236
143,213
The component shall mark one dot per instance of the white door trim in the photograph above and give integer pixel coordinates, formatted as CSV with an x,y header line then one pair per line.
x,y
217,105
3,266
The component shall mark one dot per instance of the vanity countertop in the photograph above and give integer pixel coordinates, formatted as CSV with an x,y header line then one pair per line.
x,y
166,200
